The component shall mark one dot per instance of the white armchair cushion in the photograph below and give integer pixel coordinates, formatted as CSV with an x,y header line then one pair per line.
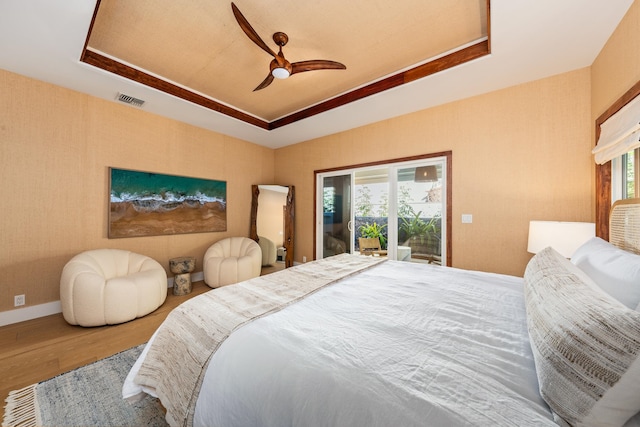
x,y
231,260
110,286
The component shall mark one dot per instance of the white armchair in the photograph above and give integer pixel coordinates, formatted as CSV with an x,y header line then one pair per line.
x,y
231,260
110,286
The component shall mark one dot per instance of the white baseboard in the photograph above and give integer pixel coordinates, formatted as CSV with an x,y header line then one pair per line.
x,y
28,313
33,312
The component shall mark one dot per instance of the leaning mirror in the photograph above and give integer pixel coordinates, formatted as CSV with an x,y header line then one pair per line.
x,y
272,208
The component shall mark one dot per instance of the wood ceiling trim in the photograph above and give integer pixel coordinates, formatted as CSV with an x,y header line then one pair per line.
x,y
115,67
456,58
462,56
470,53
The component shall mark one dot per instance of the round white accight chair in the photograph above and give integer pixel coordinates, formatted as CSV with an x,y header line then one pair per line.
x,y
111,286
231,260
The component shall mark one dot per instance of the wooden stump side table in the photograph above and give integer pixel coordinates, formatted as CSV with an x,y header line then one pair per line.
x,y
182,268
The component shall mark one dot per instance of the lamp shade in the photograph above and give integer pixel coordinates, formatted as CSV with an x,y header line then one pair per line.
x,y
564,237
426,174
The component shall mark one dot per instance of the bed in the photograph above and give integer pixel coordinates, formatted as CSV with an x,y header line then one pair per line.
x,y
360,341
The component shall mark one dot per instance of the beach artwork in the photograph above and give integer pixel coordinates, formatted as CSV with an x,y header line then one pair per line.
x,y
152,204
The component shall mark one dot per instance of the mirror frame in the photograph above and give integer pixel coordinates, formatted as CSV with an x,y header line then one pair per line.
x,y
288,221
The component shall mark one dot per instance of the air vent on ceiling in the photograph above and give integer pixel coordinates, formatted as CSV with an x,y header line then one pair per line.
x,y
127,99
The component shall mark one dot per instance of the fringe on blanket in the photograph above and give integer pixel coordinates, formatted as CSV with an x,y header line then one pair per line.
x,y
21,409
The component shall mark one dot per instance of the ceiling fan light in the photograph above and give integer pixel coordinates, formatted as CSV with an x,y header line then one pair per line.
x,y
280,73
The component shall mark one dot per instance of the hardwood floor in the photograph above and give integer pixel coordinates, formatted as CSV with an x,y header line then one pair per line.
x,y
42,348
279,265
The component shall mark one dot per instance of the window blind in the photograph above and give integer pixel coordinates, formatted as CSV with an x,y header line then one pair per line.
x,y
620,133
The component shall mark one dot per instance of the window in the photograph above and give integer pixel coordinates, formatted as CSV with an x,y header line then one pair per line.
x,y
630,166
625,176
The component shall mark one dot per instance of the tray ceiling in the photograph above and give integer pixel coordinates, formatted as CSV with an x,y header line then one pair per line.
x,y
529,40
197,51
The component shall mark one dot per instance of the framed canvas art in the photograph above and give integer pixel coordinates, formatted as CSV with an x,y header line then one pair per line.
x,y
152,204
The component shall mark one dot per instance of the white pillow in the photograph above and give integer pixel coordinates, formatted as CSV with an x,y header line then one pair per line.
x,y
616,271
586,345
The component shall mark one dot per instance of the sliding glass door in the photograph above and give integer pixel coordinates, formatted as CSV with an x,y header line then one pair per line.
x,y
421,215
371,206
403,204
335,214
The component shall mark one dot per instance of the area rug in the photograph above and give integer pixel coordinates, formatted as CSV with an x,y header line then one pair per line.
x,y
88,396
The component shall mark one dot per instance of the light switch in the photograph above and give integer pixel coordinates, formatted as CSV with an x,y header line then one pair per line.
x,y
467,218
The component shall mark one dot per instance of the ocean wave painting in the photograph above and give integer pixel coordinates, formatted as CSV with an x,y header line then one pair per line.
x,y
151,204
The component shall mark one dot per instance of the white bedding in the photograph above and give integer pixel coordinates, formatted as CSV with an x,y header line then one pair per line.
x,y
400,344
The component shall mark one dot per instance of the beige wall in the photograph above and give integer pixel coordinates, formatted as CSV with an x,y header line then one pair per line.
x,y
617,67
55,149
519,154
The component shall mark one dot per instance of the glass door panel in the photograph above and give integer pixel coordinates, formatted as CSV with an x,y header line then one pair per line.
x,y
420,201
336,215
371,208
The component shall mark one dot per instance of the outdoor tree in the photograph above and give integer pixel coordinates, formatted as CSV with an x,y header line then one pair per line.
x,y
630,167
363,201
405,210
383,208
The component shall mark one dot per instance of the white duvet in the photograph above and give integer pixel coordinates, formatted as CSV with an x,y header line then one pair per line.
x,y
400,344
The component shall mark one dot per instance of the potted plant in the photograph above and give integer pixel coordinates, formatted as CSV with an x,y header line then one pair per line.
x,y
414,227
374,230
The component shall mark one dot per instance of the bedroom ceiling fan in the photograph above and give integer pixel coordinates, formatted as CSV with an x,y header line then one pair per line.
x,y
279,67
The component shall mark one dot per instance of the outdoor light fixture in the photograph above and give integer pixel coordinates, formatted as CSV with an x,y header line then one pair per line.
x,y
426,174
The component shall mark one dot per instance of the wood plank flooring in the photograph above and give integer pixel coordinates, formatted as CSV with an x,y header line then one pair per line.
x,y
42,348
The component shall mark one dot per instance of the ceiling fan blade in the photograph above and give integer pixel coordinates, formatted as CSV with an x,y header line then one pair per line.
x,y
249,31
316,64
266,82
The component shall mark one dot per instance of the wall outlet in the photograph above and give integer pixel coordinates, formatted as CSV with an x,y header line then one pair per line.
x,y
304,259
18,300
467,218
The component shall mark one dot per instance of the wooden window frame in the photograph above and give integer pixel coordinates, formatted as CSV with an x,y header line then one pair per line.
x,y
603,172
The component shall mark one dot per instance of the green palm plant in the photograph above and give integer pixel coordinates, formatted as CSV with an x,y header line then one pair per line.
x,y
421,235
415,226
374,230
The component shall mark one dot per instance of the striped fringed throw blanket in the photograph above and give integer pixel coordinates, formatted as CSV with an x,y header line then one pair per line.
x,y
184,343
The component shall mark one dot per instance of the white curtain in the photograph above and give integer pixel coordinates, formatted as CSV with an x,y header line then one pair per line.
x,y
620,133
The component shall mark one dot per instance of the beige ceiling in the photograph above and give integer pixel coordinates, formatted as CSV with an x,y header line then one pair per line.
x,y
199,46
